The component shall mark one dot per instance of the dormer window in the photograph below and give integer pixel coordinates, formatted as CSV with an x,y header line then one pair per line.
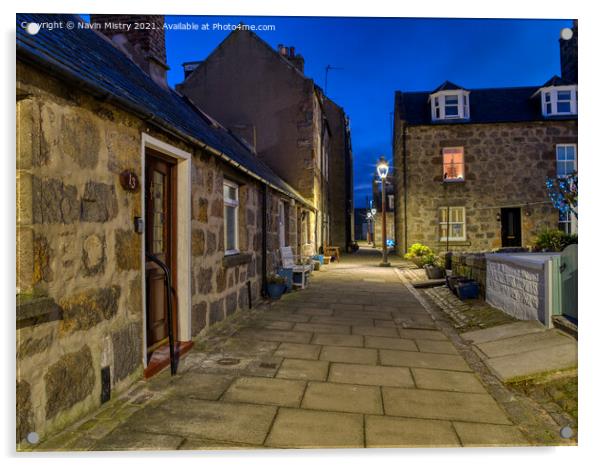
x,y
450,105
559,100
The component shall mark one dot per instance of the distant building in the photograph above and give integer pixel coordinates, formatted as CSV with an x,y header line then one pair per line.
x,y
471,164
262,95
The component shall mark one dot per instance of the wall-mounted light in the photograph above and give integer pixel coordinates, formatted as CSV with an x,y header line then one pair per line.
x,y
527,212
498,217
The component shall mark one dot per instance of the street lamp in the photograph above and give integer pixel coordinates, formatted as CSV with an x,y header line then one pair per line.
x,y
383,169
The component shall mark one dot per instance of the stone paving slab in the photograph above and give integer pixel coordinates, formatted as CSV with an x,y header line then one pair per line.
x,y
524,343
370,375
298,351
207,444
390,343
363,314
323,328
447,380
338,340
425,360
436,346
301,428
503,331
315,311
340,320
261,390
276,335
303,369
286,317
435,404
480,435
274,325
328,396
216,420
523,365
127,439
349,355
391,432
375,331
202,386
422,334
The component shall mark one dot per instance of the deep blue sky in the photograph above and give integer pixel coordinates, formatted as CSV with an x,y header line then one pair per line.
x,y
379,56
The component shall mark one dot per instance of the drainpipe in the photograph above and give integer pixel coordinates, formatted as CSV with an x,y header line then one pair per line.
x,y
264,243
405,191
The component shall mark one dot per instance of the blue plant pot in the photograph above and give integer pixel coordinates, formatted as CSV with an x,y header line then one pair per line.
x,y
467,290
275,290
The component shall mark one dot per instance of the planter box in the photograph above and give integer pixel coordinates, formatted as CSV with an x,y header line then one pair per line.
x,y
453,280
467,290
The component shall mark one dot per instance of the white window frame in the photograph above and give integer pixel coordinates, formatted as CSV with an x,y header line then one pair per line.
x,y
438,104
453,180
569,220
281,224
463,223
574,146
231,203
552,93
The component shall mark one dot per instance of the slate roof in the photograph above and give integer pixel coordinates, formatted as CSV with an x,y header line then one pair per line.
x,y
493,105
90,60
448,86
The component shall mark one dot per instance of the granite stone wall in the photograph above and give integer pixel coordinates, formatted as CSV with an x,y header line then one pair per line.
x,y
79,269
506,165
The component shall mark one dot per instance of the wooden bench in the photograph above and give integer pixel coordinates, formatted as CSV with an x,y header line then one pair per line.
x,y
299,270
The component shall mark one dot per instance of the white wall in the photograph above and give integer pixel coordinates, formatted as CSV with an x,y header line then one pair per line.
x,y
516,284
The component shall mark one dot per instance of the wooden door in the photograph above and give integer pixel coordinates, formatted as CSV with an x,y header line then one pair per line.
x,y
160,235
511,227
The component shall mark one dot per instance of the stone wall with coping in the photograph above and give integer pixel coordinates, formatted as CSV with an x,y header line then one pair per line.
x,y
516,286
473,266
79,267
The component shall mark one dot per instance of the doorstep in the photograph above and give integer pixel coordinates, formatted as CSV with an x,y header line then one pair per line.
x,y
160,357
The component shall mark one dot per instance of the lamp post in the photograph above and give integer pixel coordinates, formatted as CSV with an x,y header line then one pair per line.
x,y
382,169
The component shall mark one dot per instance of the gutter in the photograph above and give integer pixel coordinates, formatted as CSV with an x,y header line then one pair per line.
x,y
146,116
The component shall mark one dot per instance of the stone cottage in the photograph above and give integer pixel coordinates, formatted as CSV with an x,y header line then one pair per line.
x,y
117,173
263,95
470,165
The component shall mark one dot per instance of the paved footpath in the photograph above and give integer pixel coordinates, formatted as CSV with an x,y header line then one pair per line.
x,y
352,361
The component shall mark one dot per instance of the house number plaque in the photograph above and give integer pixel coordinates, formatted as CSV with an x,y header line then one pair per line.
x,y
129,181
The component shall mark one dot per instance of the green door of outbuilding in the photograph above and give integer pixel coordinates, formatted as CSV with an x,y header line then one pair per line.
x,y
568,281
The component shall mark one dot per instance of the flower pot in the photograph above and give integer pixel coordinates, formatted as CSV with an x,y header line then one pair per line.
x,y
454,280
275,290
287,274
326,259
434,272
467,290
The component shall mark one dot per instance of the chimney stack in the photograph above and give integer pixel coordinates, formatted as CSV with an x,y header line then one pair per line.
x,y
145,44
568,55
289,53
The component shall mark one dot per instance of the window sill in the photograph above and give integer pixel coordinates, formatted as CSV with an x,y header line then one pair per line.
x,y
234,259
36,310
454,242
452,180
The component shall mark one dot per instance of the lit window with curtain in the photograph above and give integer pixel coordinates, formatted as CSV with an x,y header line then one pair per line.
x,y
453,164
452,220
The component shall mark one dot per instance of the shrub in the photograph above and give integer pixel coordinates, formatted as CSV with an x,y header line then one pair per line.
x,y
276,279
420,255
550,240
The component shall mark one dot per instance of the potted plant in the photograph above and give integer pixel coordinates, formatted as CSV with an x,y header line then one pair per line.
x,y
420,255
435,269
276,286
